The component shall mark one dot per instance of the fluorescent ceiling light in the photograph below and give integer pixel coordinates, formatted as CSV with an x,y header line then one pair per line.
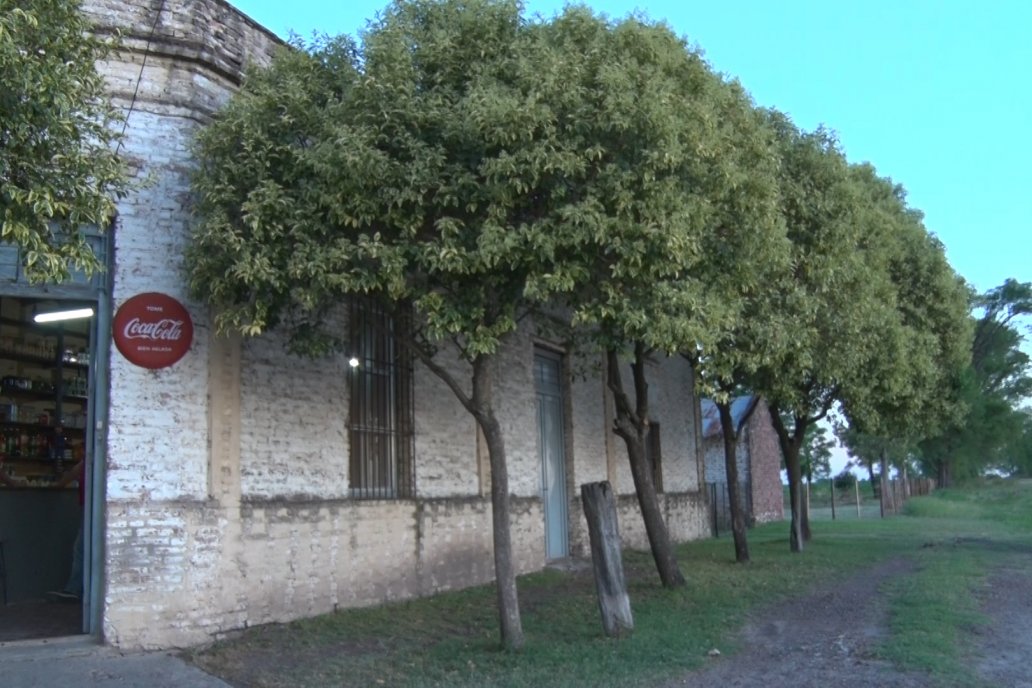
x,y
55,316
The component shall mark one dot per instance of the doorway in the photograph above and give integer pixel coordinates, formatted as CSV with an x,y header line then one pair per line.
x,y
46,383
552,443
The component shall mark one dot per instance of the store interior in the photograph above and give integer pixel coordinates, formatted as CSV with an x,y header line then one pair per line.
x,y
45,360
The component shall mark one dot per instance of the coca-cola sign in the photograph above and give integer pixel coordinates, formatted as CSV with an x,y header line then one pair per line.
x,y
152,330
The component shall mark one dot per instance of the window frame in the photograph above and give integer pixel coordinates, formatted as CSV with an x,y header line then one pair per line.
x,y
381,408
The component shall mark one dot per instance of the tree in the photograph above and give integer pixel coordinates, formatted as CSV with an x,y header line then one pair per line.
x,y
906,397
815,454
59,165
426,168
991,388
909,392
676,162
878,311
829,298
746,253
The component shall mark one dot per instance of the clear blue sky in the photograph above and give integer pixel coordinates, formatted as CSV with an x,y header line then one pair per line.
x,y
936,94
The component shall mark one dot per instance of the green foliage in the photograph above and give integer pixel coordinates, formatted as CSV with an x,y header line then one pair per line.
x,y
927,337
816,453
992,430
680,188
59,170
845,480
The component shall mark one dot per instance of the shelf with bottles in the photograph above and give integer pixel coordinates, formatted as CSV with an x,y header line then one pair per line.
x,y
13,387
35,442
35,474
40,461
5,426
75,360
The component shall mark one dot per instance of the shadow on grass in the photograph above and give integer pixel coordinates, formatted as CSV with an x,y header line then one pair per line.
x,y
452,639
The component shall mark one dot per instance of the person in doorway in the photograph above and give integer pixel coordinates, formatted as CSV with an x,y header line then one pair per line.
x,y
72,590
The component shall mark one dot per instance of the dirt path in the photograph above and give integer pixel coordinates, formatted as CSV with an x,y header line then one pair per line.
x,y
825,639
1004,647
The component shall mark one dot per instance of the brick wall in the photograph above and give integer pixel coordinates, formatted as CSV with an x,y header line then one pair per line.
x,y
765,459
190,571
226,478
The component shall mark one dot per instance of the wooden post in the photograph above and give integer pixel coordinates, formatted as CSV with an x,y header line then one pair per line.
x,y
831,486
604,534
856,491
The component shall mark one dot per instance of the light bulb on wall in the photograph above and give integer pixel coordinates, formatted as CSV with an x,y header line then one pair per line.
x,y
353,362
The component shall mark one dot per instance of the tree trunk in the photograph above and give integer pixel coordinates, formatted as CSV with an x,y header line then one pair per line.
x,y
606,557
944,473
870,477
883,482
734,490
480,405
505,572
632,424
831,490
790,448
804,517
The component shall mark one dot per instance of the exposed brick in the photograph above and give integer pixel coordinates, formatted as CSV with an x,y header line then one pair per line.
x,y
226,479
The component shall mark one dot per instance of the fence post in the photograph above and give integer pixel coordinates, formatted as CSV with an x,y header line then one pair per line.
x,y
713,504
856,491
831,486
604,534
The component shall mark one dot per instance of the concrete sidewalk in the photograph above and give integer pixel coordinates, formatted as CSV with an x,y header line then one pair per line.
x,y
80,661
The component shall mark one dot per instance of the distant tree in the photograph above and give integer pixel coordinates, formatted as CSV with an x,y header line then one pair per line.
x,y
746,258
816,453
1020,450
845,479
59,166
830,299
992,387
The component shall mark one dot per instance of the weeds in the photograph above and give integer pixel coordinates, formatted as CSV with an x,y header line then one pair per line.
x,y
452,639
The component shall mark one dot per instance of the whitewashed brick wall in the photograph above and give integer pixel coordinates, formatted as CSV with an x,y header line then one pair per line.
x,y
226,481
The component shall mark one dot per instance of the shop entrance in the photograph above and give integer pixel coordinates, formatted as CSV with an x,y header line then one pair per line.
x,y
52,402
44,439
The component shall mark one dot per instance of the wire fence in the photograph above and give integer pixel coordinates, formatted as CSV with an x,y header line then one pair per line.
x,y
825,501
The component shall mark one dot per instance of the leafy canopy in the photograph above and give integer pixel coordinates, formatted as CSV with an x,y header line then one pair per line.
x,y
426,165
59,170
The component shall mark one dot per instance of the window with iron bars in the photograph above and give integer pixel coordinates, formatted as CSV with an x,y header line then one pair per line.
x,y
380,424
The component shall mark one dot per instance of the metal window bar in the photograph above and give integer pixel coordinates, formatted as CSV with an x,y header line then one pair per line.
x,y
720,507
380,428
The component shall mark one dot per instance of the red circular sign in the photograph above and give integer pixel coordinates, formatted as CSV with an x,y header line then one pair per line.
x,y
152,330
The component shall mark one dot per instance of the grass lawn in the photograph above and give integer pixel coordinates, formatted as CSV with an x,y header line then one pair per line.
x,y
452,639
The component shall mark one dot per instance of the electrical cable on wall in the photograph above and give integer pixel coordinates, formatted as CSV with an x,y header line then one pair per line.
x,y
139,77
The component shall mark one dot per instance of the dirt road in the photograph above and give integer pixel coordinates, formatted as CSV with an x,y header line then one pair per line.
x,y
827,639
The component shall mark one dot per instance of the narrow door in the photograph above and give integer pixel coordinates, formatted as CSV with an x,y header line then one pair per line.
x,y
547,367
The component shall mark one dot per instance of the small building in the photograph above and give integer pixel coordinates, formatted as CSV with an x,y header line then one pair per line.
x,y
239,485
758,456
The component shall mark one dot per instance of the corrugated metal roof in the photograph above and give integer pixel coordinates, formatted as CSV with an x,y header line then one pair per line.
x,y
711,416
